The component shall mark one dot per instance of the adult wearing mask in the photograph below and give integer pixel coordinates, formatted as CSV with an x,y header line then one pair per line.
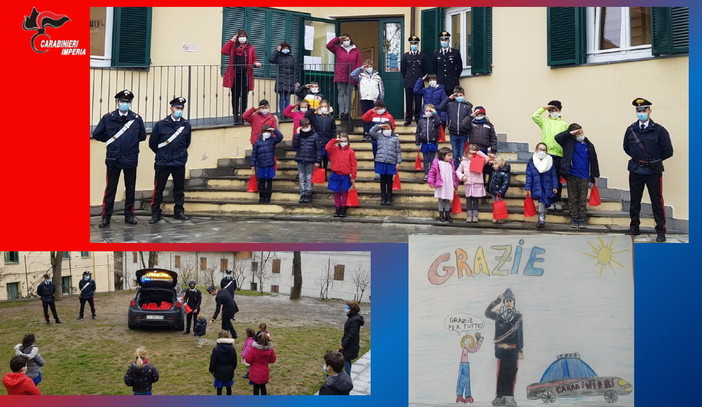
x,y
192,298
87,288
288,75
228,282
447,62
46,290
348,58
648,144
225,303
350,342
239,75
413,66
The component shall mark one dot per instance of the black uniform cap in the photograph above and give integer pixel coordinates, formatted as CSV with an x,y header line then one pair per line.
x,y
86,273
641,103
124,96
210,289
445,34
413,38
178,102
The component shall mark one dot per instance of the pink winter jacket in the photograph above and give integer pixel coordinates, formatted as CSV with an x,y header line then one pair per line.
x,y
464,171
346,61
247,347
434,177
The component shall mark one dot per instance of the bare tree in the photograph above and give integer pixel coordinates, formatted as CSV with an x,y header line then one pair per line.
x,y
261,274
210,275
326,281
296,289
56,263
141,257
361,279
239,272
187,272
152,259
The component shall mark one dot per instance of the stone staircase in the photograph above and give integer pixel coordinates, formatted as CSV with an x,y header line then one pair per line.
x,y
221,191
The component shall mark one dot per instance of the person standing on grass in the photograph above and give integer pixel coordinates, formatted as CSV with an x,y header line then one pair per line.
x,y
223,363
87,292
141,374
200,329
338,382
228,282
192,298
226,303
28,349
350,342
259,357
46,290
17,383
248,344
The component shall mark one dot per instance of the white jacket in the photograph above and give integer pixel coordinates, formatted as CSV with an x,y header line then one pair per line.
x,y
370,86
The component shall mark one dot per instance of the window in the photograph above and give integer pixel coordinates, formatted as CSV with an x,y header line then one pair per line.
x,y
254,266
203,263
339,272
274,289
243,255
223,264
84,255
66,287
66,255
618,33
471,34
176,261
12,291
101,36
276,266
135,257
11,257
120,36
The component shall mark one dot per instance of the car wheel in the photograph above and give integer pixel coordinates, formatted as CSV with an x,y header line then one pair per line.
x,y
611,396
548,396
181,326
131,325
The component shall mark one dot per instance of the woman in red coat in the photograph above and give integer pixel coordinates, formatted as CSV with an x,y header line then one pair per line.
x,y
239,74
259,357
348,58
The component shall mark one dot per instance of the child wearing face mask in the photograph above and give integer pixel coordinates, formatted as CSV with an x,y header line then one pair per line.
x,y
259,117
387,159
308,156
370,88
427,135
472,182
17,382
434,93
200,329
311,93
541,181
324,125
580,167
338,382
550,126
457,108
444,181
499,181
297,112
263,161
378,115
343,175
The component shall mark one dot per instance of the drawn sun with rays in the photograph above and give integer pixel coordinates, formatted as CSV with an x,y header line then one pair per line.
x,y
604,254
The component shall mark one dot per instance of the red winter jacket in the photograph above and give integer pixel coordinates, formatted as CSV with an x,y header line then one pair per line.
x,y
249,60
375,118
19,384
346,61
257,121
343,160
259,358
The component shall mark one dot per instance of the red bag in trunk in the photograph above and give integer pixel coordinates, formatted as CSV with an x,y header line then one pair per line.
x,y
396,185
418,163
253,184
456,203
442,134
165,305
318,175
529,207
499,210
352,198
595,196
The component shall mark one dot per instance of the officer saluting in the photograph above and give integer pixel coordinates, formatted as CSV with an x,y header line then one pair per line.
x,y
447,62
648,144
413,66
170,140
121,131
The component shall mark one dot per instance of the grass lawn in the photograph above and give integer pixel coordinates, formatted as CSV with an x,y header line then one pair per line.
x,y
91,356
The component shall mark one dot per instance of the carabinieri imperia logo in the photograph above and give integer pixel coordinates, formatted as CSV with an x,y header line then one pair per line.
x,y
39,22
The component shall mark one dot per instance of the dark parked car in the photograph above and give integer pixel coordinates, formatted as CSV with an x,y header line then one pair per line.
x,y
569,376
156,303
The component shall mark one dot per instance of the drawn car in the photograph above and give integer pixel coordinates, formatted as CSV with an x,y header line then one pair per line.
x,y
570,376
156,302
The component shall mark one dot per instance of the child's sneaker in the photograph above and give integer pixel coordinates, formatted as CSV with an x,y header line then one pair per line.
x,y
574,224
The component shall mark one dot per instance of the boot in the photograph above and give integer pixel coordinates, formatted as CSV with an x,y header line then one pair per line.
x,y
475,216
129,219
442,217
48,322
499,401
383,198
79,317
337,214
302,198
93,316
449,219
261,197
105,222
308,197
542,220
342,213
509,401
181,216
58,321
155,218
391,199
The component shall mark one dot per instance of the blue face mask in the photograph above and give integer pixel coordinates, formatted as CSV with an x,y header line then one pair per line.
x,y
460,99
642,116
444,44
414,47
177,114
347,309
285,51
124,106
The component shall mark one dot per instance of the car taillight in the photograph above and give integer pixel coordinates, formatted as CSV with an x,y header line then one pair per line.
x,y
132,303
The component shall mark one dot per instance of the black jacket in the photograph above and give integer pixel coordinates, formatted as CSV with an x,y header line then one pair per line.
x,y
124,151
481,134
46,291
308,146
413,67
339,385
200,327
567,141
88,291
224,300
193,298
304,93
324,126
655,140
223,359
499,181
352,336
288,73
175,153
447,67
142,378
229,287
506,333
427,130
456,112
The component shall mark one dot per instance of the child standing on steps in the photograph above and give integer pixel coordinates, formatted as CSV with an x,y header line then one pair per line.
x,y
308,156
260,356
443,180
387,159
499,181
324,125
427,136
343,171
472,182
263,161
541,181
297,112
378,115
370,88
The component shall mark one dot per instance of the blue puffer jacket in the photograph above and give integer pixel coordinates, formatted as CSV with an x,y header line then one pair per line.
x,y
324,126
263,153
541,185
499,181
389,150
431,95
124,151
427,130
176,152
308,147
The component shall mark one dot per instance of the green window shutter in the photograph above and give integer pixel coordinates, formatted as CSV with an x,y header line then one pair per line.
x,y
233,19
432,25
566,36
131,37
481,47
258,23
671,30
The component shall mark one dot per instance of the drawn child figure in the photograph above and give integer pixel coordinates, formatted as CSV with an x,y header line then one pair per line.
x,y
469,344
472,181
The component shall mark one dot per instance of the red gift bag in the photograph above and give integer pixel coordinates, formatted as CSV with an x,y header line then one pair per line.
x,y
442,134
562,180
529,207
477,163
595,196
253,184
499,210
318,175
418,163
396,186
352,199
187,308
456,203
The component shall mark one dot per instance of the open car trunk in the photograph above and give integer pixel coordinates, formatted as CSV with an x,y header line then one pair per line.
x,y
155,299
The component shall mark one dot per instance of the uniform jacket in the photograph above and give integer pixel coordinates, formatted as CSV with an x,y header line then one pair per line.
x,y
549,128
567,141
34,359
257,121
308,146
434,178
502,328
141,378
499,181
352,336
259,357
413,66
427,130
249,60
200,327
46,291
176,152
223,359
343,160
447,67
288,73
263,153
456,112
656,141
88,291
482,134
370,86
124,151
19,384
433,95
541,185
389,148
339,385
193,298
228,306
224,284
312,98
346,60
324,125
